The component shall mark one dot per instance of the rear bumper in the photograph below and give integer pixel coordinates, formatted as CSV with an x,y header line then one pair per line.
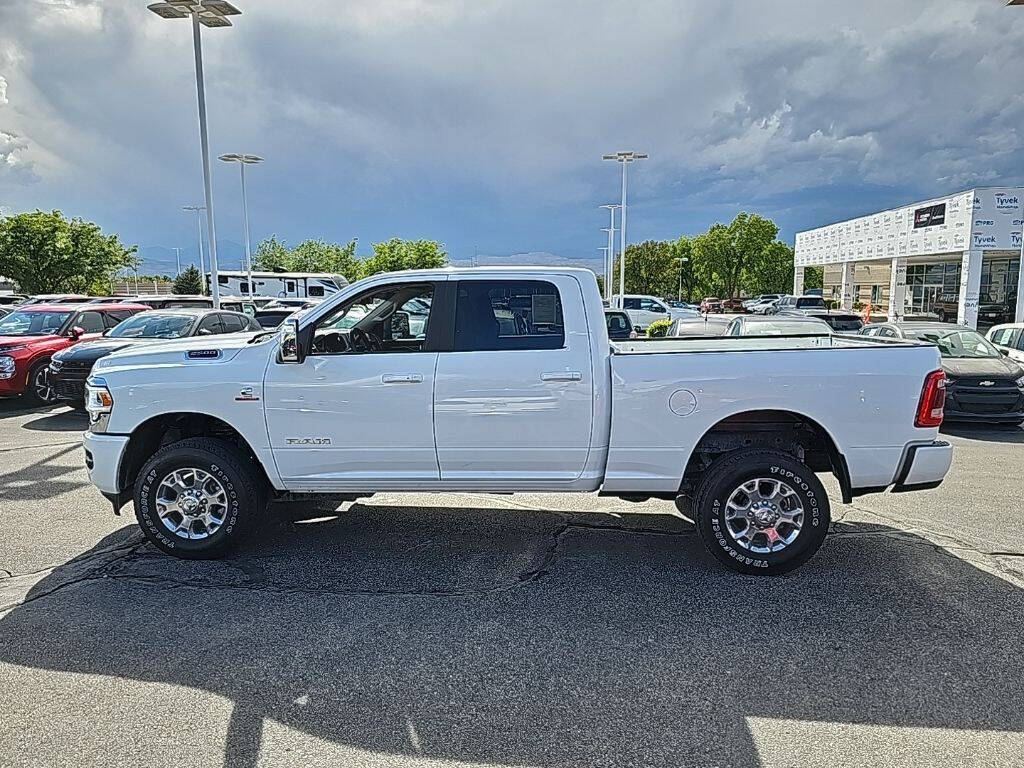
x,y
924,466
103,460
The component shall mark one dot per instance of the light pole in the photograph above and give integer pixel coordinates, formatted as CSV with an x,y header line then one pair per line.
x,y
244,160
177,262
607,290
682,260
198,210
209,13
1019,309
625,158
609,265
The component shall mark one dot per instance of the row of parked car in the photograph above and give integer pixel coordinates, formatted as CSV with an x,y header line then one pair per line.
x,y
49,344
984,373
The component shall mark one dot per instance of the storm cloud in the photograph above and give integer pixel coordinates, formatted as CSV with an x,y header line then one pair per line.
x,y
481,124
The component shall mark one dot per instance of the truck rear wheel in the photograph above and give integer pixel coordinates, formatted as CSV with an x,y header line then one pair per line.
x,y
196,499
761,512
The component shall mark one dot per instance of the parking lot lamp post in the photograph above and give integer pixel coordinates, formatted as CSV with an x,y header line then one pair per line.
x,y
244,160
625,158
198,210
1019,309
609,265
682,260
209,13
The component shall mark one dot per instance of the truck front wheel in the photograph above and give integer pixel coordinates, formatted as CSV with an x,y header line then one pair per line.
x,y
761,512
196,499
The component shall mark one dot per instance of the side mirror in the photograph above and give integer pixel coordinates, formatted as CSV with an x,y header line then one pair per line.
x,y
292,349
1003,352
77,332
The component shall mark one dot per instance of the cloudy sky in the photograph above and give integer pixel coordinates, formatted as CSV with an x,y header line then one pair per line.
x,y
481,123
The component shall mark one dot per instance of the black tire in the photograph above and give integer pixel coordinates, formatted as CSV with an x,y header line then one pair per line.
x,y
724,478
32,395
245,496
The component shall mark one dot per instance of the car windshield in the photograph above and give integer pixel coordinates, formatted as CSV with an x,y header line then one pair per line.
x,y
33,323
786,328
958,344
150,325
815,302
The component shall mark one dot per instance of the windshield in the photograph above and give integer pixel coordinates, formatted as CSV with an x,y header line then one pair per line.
x,y
149,325
33,323
784,328
814,302
958,344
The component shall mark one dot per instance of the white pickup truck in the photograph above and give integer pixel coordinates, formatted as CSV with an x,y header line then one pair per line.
x,y
508,382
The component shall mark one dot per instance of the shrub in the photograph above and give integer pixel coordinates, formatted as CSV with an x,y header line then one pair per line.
x,y
658,329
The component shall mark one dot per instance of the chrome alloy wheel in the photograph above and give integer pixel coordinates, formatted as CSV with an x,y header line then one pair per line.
x,y
191,503
41,386
764,515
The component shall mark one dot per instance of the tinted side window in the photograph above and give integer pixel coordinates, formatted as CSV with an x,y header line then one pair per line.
x,y
117,316
211,324
232,323
631,304
508,314
1017,342
92,322
316,290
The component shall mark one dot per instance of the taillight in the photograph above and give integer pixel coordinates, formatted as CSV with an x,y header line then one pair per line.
x,y
933,400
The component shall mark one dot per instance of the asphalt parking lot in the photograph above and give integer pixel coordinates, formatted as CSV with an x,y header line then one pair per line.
x,y
463,630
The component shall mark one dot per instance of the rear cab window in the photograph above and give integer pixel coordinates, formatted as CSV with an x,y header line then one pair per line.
x,y
508,315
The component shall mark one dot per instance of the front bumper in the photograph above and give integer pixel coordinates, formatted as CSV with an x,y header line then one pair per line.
x,y
67,386
103,460
924,466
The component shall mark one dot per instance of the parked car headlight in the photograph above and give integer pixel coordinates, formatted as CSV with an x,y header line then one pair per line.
x,y
98,402
7,366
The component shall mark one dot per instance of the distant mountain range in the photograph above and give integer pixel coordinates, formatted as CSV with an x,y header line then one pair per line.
x,y
157,260
531,258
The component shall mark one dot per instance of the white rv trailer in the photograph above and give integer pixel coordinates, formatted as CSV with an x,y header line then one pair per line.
x,y
277,285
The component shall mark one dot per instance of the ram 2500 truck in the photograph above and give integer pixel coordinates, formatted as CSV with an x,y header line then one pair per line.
x,y
500,380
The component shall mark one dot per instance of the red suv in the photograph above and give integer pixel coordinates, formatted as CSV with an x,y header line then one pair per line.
x,y
30,335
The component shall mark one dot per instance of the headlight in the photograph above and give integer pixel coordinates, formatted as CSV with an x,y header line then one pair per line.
x,y
7,366
98,402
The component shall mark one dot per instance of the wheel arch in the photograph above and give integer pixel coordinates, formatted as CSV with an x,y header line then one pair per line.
x,y
787,430
166,428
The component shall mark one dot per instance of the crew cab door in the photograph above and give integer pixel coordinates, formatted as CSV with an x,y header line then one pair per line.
x,y
358,412
514,398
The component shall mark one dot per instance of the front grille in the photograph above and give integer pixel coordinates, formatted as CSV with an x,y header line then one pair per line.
x,y
71,390
969,396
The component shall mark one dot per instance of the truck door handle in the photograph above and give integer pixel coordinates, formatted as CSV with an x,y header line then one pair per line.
x,y
401,378
561,376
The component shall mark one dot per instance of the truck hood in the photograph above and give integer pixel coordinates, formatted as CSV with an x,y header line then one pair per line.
x,y
197,350
996,367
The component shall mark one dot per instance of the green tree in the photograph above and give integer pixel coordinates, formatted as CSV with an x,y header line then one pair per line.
x,y
398,254
271,256
724,251
686,274
48,253
189,282
771,270
814,277
650,268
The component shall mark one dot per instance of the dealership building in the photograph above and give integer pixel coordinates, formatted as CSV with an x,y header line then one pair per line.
x,y
955,257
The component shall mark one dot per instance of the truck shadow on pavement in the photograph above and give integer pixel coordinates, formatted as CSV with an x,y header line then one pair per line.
x,y
990,434
525,637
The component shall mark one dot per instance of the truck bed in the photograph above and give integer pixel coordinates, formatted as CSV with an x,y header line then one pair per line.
x,y
862,392
753,344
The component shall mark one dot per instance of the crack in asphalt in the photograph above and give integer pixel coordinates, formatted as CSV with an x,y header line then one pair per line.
x,y
111,562
118,557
